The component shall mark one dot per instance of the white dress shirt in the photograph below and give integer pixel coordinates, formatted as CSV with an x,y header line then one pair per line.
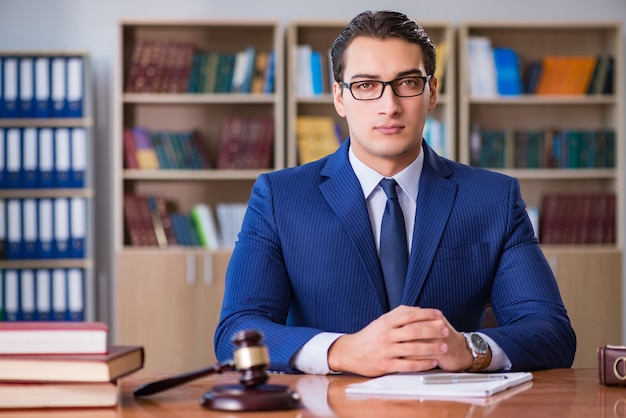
x,y
312,358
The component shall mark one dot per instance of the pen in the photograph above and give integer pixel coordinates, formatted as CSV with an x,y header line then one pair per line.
x,y
460,378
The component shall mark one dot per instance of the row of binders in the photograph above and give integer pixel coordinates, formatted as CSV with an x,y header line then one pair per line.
x,y
41,86
42,295
43,228
43,157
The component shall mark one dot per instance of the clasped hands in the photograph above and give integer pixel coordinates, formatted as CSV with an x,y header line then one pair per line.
x,y
406,339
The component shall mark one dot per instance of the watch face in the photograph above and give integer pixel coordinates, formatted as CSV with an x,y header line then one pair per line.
x,y
479,343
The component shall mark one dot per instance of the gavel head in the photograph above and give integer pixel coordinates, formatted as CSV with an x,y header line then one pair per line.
x,y
251,358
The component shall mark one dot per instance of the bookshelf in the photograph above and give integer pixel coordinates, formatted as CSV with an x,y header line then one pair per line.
x,y
169,299
46,139
319,35
581,287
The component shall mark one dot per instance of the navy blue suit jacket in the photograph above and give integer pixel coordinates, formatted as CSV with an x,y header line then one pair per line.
x,y
306,262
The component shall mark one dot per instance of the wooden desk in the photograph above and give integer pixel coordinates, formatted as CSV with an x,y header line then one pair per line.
x,y
552,393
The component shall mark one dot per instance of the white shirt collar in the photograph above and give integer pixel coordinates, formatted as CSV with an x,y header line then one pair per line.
x,y
408,179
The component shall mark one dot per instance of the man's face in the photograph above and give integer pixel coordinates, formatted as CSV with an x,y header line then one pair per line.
x,y
386,133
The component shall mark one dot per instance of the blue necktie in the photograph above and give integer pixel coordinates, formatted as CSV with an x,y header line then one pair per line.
x,y
394,255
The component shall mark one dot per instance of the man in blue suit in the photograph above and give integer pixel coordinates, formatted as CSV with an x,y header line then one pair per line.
x,y
306,271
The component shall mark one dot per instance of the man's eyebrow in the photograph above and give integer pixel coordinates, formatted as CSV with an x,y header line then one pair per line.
x,y
366,76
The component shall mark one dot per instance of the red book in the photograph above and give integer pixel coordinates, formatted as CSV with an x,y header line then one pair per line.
x,y
118,362
42,337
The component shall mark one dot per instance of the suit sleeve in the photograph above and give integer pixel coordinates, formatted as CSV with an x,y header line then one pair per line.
x,y
257,289
535,331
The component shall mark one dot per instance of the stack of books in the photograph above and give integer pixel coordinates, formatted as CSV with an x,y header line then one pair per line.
x,y
62,365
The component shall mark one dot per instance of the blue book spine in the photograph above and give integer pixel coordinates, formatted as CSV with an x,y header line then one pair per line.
x,y
43,290
11,294
75,295
29,228
61,227
27,295
78,158
10,74
78,227
45,231
3,160
29,158
59,295
62,157
26,97
42,87
14,229
13,139
58,87
45,158
75,83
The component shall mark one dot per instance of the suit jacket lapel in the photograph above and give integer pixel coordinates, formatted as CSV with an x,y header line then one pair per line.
x,y
344,195
434,204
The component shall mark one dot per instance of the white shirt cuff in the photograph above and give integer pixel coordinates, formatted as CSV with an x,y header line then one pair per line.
x,y
312,358
499,359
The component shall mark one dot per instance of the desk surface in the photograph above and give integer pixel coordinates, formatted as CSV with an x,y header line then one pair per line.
x,y
552,393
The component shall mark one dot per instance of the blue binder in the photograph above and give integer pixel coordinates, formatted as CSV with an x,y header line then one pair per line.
x,y
75,295
13,139
45,158
3,161
61,227
27,295
29,229
78,227
3,231
29,158
58,87
43,289
11,294
26,97
59,295
78,156
45,231
14,229
10,74
1,115
75,89
62,158
42,87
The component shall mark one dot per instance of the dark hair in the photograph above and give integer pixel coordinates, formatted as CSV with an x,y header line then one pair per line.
x,y
382,25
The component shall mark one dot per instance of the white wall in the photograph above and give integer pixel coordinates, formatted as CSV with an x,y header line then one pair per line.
x,y
92,26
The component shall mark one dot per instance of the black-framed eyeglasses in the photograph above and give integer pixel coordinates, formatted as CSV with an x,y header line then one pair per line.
x,y
374,89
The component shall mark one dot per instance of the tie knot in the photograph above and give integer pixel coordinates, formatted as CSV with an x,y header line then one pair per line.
x,y
389,186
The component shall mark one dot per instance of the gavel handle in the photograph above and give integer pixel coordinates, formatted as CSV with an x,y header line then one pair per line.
x,y
170,382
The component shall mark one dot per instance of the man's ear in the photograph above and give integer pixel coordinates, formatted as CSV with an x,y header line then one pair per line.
x,y
338,99
432,101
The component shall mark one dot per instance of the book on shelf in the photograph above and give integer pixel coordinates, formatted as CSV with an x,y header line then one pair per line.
x,y
578,218
21,395
317,137
508,78
119,361
482,67
164,150
51,337
246,143
542,148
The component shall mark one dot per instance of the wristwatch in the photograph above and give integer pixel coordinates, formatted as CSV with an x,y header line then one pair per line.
x,y
480,351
